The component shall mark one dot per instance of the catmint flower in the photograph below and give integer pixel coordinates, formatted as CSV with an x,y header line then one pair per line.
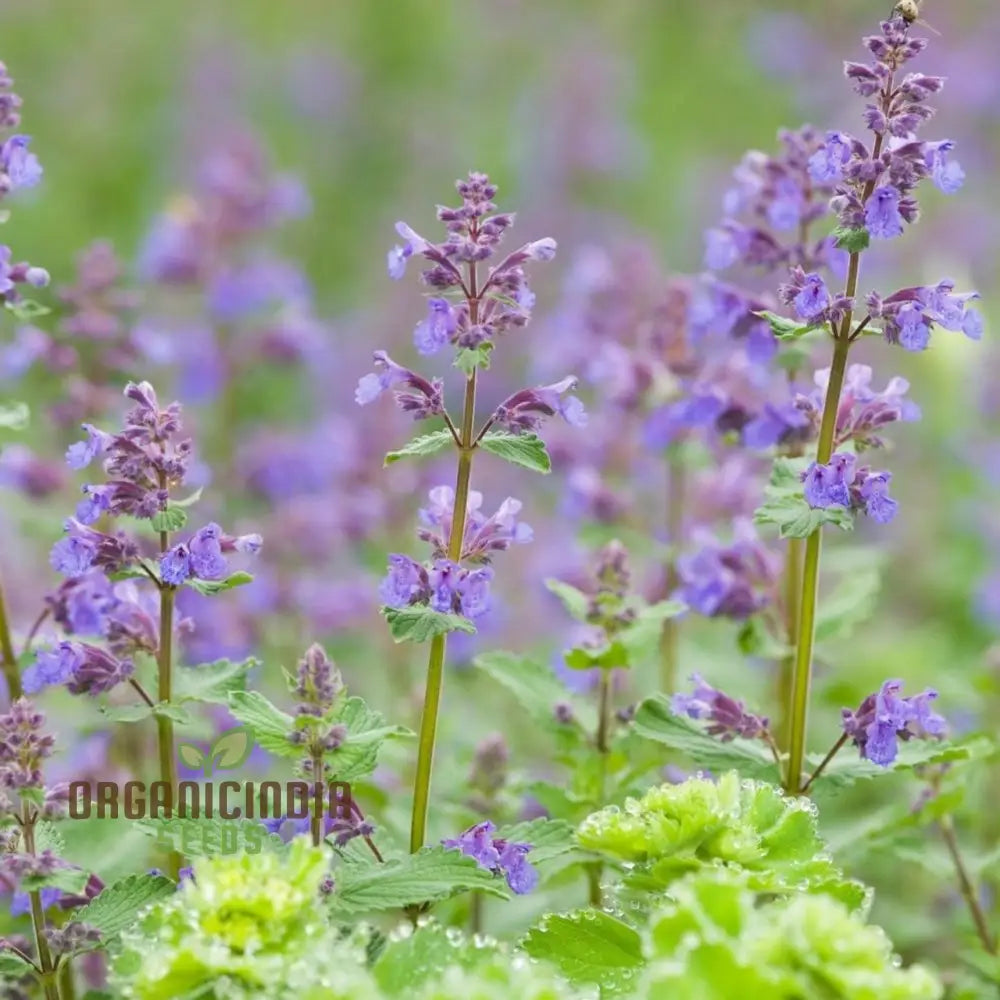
x,y
434,332
424,401
318,681
19,168
201,557
840,483
84,547
947,175
406,582
884,718
499,856
882,215
524,410
82,453
483,535
82,667
733,581
728,717
23,746
814,297
827,163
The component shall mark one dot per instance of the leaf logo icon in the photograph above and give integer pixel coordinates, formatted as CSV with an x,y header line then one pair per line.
x,y
227,753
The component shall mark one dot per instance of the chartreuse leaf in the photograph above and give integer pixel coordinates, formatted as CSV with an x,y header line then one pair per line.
x,y
12,966
656,720
26,310
426,444
431,874
526,450
211,587
785,503
746,825
714,938
115,907
14,416
418,623
271,727
853,239
469,359
588,946
212,682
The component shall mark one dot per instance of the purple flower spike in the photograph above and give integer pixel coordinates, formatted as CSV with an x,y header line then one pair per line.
x,y
829,485
814,298
884,718
424,401
728,717
502,857
525,410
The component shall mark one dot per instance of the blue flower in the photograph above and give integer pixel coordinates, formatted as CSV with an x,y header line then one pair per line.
x,y
175,565
51,667
498,855
914,331
434,332
82,453
829,485
948,175
73,555
882,216
879,506
813,299
18,164
827,163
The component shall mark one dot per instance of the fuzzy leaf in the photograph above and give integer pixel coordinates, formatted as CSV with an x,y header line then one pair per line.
x,y
210,587
137,713
418,623
784,328
588,947
14,416
853,239
526,450
655,720
426,444
785,503
612,656
469,359
431,874
576,602
271,727
850,603
172,519
69,880
116,905
549,838
212,682
13,967
357,756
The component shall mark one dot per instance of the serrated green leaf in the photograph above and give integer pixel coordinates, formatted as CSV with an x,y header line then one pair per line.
x,y
126,713
784,328
853,239
69,880
13,967
14,416
469,359
115,907
576,602
533,684
526,450
613,655
655,720
418,623
357,756
212,682
433,873
588,947
211,587
406,963
426,444
172,519
785,503
271,727
549,838
850,603
641,639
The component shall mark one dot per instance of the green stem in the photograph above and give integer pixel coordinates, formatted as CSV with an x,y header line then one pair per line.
x,y
798,712
9,657
164,690
786,669
989,942
435,661
603,744
45,963
669,637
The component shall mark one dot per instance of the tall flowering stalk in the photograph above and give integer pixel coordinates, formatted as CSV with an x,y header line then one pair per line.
x,y
873,200
471,307
19,168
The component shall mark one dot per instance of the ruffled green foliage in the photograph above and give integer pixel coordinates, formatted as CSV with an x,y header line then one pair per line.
x,y
503,978
248,926
716,940
746,825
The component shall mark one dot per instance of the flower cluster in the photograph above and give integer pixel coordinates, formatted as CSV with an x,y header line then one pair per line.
x,y
908,315
842,483
500,856
445,585
884,718
81,666
203,556
732,581
19,168
728,717
475,231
